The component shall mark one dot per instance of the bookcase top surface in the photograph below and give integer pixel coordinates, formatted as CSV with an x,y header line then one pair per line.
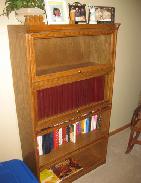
x,y
45,27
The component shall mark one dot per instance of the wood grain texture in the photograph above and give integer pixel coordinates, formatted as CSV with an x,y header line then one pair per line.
x,y
23,98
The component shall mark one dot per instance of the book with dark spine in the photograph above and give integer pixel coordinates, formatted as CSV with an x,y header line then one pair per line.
x,y
47,143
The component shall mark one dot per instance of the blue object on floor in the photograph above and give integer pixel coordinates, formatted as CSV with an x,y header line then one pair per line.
x,y
15,171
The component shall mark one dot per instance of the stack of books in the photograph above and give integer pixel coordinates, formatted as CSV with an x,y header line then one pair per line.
x,y
60,171
66,134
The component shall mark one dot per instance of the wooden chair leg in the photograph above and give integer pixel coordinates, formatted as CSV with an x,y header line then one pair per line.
x,y
136,137
130,143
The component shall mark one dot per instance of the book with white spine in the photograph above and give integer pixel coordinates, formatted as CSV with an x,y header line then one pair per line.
x,y
39,141
60,136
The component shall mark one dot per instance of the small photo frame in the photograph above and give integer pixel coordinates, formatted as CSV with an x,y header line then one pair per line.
x,y
77,12
92,15
57,12
104,14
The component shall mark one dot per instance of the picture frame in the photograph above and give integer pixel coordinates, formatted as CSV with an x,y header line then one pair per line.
x,y
92,15
57,11
103,14
77,12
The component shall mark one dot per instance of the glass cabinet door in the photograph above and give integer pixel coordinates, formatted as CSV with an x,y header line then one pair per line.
x,y
61,54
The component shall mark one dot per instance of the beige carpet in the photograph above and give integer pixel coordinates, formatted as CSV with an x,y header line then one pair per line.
x,y
120,167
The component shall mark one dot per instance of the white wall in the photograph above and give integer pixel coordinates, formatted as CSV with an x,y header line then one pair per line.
x,y
9,133
127,75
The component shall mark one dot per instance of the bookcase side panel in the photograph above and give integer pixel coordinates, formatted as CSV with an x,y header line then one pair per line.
x,y
109,79
22,90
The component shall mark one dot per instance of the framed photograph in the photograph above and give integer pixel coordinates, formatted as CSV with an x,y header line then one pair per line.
x,y
92,15
77,12
57,12
104,14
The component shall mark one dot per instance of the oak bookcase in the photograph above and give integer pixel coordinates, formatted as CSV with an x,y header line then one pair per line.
x,y
61,74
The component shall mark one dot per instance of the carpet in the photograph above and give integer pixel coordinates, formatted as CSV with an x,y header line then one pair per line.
x,y
119,167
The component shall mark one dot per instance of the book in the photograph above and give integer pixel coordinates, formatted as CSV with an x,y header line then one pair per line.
x,y
78,128
56,138
98,124
66,168
48,176
90,118
87,124
64,138
73,133
93,122
39,141
51,140
47,143
68,133
83,126
60,136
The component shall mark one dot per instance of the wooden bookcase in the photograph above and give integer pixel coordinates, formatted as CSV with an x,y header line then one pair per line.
x,y
61,75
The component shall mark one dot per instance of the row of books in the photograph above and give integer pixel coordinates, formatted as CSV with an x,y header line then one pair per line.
x,y
67,134
62,98
60,171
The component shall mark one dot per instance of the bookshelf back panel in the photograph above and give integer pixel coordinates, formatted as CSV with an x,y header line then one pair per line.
x,y
55,54
92,154
59,99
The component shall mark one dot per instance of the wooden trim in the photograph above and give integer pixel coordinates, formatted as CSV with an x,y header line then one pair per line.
x,y
119,129
101,28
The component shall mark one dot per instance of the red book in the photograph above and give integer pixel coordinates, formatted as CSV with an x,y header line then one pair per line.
x,y
56,138
64,135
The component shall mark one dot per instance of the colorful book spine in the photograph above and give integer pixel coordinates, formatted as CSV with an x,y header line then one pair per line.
x,y
98,124
56,138
73,133
60,136
93,122
51,134
77,128
64,140
68,133
83,126
87,121
39,141
47,143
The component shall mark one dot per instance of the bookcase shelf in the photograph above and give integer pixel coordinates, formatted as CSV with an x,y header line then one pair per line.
x,y
63,74
71,148
89,158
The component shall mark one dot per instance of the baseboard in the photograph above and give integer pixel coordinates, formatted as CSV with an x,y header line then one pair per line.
x,y
119,129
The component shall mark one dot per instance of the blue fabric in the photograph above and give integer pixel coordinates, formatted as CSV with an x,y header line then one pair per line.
x,y
15,171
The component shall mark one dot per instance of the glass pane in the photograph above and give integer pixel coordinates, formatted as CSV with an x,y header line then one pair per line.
x,y
60,54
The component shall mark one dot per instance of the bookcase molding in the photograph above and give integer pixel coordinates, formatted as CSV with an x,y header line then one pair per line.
x,y
63,74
